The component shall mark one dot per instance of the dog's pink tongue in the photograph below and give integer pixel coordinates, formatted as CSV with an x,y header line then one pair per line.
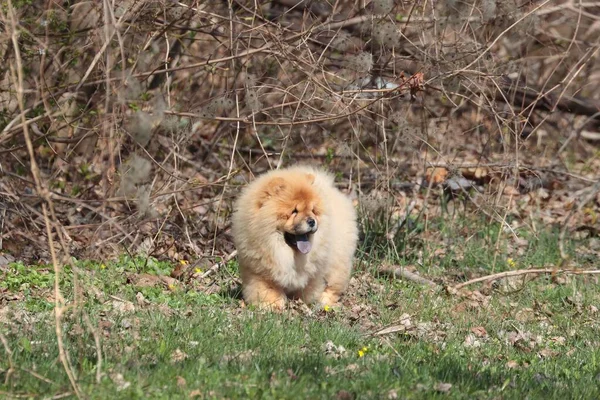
x,y
303,244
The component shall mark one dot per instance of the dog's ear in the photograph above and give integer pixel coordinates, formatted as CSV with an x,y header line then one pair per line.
x,y
311,178
275,185
271,188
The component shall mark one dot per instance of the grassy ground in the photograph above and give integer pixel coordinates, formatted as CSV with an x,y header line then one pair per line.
x,y
163,339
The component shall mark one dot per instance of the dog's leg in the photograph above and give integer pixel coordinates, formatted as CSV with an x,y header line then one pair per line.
x,y
262,293
313,290
337,283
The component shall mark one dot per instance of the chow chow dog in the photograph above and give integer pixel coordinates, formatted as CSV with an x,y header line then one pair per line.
x,y
295,234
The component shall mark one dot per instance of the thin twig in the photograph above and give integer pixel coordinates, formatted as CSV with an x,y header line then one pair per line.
x,y
218,265
507,274
98,344
11,365
38,376
403,273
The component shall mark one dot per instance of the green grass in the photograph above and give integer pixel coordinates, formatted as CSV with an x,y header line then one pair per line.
x,y
534,339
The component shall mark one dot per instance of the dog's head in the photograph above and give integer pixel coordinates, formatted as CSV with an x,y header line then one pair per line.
x,y
296,206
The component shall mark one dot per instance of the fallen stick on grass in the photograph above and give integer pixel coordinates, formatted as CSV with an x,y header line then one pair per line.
x,y
403,273
216,266
540,271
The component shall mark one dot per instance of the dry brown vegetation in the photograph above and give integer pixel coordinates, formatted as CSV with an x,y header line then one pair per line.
x,y
129,126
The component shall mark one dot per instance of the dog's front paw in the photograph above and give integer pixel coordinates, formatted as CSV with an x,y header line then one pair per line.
x,y
328,299
276,306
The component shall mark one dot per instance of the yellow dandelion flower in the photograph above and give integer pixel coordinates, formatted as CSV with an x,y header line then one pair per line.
x,y
326,308
183,262
511,263
198,270
363,351
102,266
171,287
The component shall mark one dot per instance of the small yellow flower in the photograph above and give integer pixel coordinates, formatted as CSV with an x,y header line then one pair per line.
x,y
171,287
102,266
198,270
183,262
511,263
363,351
326,308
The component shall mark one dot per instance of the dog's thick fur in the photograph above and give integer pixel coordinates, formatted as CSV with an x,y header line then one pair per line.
x,y
295,234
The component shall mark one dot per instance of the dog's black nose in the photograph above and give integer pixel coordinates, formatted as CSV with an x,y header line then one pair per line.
x,y
311,222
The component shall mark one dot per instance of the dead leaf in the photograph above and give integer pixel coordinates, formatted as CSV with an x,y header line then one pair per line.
x,y
479,331
165,310
149,280
76,330
333,350
179,270
291,374
451,290
475,173
442,387
104,324
123,306
512,364
548,353
352,367
273,381
522,340
242,357
119,381
558,340
525,315
344,395
178,356
436,175
143,280
471,341
141,300
511,191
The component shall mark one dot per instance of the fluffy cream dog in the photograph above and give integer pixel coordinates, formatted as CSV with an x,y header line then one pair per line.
x,y
295,234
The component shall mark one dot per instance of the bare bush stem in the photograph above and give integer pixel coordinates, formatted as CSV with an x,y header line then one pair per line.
x,y
17,76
